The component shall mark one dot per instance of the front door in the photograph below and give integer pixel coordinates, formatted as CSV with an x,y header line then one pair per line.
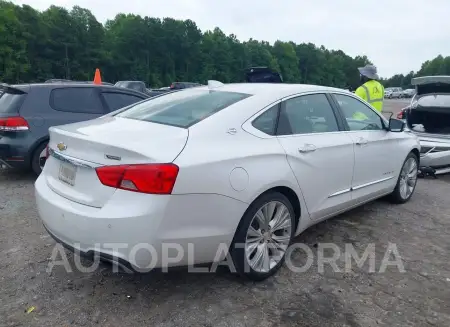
x,y
375,149
319,153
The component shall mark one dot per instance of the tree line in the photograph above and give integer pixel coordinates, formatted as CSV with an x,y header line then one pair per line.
x,y
70,44
438,66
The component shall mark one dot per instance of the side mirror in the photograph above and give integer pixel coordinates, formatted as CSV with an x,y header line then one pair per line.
x,y
396,125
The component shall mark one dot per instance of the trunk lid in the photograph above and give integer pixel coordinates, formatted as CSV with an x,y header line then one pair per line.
x,y
431,84
77,149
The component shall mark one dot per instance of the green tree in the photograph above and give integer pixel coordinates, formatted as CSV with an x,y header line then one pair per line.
x,y
61,43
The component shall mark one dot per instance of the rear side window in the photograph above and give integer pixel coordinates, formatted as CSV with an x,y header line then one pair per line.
x,y
11,102
77,100
119,100
267,122
183,109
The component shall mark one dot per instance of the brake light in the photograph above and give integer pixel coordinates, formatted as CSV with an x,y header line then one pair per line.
x,y
13,124
172,86
144,178
400,115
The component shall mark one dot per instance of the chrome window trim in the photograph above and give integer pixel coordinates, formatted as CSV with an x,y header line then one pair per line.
x,y
72,160
248,127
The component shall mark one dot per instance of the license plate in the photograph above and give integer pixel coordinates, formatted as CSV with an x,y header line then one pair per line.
x,y
67,173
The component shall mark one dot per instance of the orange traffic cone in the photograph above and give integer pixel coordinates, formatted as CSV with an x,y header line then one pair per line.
x,y
97,77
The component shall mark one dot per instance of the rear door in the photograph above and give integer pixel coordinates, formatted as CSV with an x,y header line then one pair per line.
x,y
319,153
115,100
376,155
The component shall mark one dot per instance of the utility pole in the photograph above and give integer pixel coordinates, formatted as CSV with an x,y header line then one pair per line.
x,y
66,63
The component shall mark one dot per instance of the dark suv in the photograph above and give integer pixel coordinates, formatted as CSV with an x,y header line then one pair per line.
x,y
28,111
262,75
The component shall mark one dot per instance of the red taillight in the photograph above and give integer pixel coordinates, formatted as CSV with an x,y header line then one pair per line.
x,y
146,178
13,124
400,115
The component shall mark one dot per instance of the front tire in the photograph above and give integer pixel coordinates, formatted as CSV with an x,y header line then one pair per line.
x,y
263,236
407,181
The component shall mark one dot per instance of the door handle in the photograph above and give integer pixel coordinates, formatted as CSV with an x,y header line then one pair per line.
x,y
361,141
307,148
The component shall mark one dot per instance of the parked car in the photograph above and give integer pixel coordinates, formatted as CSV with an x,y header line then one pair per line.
x,y
133,85
156,92
262,75
428,117
396,94
71,81
246,166
183,85
389,92
28,111
408,93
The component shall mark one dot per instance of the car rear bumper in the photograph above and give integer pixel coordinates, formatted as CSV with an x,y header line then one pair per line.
x,y
438,160
15,151
135,228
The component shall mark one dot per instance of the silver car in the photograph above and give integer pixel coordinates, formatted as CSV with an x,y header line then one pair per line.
x,y
428,116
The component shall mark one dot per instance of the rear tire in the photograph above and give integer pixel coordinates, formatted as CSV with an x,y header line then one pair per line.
x,y
37,160
407,180
261,240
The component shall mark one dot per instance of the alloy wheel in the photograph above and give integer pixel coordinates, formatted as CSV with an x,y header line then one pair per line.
x,y
408,178
268,236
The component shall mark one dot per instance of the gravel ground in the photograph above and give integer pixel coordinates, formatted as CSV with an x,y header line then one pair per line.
x,y
419,296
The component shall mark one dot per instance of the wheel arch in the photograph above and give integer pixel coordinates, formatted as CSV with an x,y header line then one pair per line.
x,y
33,149
417,153
292,196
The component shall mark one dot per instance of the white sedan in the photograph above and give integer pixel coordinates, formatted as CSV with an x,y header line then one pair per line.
x,y
245,166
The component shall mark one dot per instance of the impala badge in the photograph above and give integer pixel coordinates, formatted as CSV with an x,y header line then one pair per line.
x,y
61,146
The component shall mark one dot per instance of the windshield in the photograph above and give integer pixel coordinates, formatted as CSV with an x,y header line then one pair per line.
x,y
183,109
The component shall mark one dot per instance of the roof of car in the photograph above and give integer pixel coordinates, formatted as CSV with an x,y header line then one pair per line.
x,y
280,89
72,85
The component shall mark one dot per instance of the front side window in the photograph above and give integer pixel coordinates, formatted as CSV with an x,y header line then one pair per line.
x,y
358,115
183,109
307,114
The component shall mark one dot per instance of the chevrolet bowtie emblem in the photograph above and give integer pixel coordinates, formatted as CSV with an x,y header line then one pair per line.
x,y
61,146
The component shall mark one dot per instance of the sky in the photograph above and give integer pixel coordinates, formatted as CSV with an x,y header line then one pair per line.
x,y
396,35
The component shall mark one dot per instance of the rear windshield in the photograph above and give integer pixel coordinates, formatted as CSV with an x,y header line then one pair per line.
x,y
184,108
11,102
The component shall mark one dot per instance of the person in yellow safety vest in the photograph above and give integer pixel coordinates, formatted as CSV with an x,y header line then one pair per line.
x,y
371,90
